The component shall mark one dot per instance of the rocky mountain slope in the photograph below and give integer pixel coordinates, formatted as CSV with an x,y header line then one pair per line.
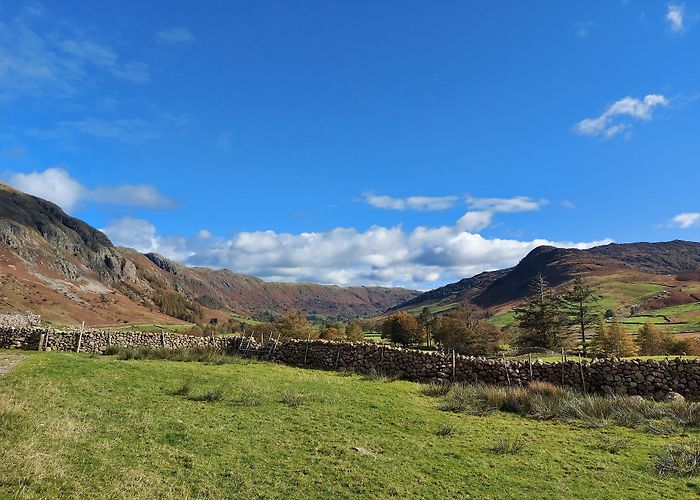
x,y
67,271
637,262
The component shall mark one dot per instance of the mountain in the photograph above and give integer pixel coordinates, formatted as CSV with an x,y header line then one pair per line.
x,y
67,271
654,264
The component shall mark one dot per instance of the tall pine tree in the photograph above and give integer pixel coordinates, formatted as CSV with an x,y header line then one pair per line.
x,y
580,305
539,318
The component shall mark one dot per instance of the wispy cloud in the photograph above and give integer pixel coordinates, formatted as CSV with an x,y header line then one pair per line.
x,y
43,63
675,17
380,255
57,185
583,28
175,36
421,203
89,52
608,125
685,220
513,204
127,130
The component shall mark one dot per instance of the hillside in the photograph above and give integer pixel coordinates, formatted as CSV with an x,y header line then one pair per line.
x,y
67,271
114,429
640,281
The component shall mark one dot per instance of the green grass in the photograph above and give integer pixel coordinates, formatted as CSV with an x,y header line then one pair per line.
x,y
503,319
86,426
155,328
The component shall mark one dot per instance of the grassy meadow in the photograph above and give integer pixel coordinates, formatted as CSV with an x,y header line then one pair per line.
x,y
87,426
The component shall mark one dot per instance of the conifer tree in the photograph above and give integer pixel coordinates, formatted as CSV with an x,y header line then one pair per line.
x,y
539,318
580,305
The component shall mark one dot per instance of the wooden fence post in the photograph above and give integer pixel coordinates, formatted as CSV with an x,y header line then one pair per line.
x,y
580,367
337,357
505,367
42,339
529,361
454,366
562,365
46,340
80,337
306,352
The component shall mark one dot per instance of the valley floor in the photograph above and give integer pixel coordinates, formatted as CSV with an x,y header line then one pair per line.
x,y
87,426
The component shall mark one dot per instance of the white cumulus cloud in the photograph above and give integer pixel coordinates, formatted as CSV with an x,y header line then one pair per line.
x,y
422,258
685,220
675,17
141,235
608,124
56,185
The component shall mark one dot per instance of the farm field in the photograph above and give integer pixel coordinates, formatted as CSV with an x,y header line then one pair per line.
x,y
80,425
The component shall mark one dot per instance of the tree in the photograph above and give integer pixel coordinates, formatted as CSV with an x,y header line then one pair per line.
x,y
580,305
330,332
613,340
426,321
539,318
354,332
465,331
652,341
401,328
295,326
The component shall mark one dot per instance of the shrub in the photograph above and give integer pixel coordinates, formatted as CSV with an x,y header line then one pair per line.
x,y
506,446
682,459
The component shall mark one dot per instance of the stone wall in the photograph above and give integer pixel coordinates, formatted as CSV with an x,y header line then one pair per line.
x,y
98,341
19,320
648,378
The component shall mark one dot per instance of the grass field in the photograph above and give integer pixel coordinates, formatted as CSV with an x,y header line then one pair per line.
x,y
81,426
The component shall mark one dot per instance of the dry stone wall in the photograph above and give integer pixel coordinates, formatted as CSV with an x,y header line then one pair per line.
x,y
648,378
98,341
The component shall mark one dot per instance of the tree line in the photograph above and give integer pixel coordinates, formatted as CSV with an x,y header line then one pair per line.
x,y
573,319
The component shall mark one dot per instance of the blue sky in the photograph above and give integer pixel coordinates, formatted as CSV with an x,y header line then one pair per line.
x,y
402,143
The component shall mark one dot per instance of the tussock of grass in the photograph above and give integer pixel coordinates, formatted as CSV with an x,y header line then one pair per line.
x,y
184,390
543,402
246,400
434,389
293,399
446,430
508,446
209,396
612,445
199,354
378,375
682,459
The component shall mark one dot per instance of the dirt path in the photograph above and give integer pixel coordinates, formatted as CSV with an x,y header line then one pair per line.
x,y
8,362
